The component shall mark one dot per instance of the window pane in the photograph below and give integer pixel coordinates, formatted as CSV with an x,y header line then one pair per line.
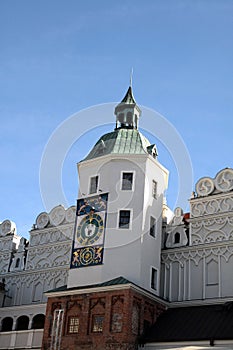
x,y
124,219
152,226
154,278
93,184
73,325
127,181
97,325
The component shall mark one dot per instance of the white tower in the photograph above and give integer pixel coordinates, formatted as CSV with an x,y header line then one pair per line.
x,y
121,236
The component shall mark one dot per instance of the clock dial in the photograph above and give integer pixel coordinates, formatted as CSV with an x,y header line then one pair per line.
x,y
90,229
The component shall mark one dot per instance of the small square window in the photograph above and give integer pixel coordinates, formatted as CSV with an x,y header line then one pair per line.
x,y
154,189
124,219
152,226
73,325
97,323
94,184
154,274
127,181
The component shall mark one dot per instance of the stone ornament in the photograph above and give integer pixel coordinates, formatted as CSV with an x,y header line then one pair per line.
x,y
57,215
7,227
224,180
70,214
204,186
42,220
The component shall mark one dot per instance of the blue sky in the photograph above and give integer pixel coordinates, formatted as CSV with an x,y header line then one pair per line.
x,y
59,57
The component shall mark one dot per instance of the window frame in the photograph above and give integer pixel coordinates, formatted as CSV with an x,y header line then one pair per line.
x,y
133,180
177,237
93,323
154,225
154,278
154,186
74,325
90,184
130,219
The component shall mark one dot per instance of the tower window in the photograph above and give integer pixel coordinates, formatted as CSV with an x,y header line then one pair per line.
x,y
154,189
97,323
94,184
129,118
127,181
73,325
154,275
124,219
152,226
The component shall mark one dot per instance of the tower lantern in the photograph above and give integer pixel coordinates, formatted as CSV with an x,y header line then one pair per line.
x,y
127,112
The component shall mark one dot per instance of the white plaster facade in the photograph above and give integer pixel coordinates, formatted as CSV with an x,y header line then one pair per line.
x,y
200,267
28,269
131,252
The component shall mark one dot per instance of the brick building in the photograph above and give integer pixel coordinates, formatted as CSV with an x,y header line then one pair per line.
x,y
109,315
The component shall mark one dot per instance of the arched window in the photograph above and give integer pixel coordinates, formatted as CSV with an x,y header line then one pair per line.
x,y
177,237
38,321
121,117
7,324
17,262
129,118
22,323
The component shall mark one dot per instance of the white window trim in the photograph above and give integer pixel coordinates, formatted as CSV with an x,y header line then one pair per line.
x,y
130,221
133,183
157,278
89,185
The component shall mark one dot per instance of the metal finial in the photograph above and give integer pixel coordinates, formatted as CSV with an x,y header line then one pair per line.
x,y
131,77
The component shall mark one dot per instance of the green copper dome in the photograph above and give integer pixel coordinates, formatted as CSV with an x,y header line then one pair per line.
x,y
121,141
125,139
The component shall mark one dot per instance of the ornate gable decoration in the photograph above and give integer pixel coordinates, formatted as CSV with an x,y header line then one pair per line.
x,y
223,182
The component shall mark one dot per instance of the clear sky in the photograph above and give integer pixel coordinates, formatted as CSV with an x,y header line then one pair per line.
x,y
58,57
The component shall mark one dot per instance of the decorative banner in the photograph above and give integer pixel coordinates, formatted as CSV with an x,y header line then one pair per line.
x,y
88,244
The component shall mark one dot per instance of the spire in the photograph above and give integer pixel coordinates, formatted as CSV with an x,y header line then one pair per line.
x,y
131,78
127,112
129,97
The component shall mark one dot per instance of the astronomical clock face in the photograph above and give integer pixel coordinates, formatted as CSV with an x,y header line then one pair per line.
x,y
90,230
88,245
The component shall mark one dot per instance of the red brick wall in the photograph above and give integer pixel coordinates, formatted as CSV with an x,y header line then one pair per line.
x,y
126,313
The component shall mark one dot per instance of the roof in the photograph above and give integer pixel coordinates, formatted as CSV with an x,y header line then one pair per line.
x,y
120,141
116,281
212,322
129,98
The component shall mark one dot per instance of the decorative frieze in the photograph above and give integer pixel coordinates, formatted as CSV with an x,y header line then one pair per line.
x,y
52,235
49,256
226,251
214,229
212,206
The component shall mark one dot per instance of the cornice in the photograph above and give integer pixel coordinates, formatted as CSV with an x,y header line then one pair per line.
x,y
106,289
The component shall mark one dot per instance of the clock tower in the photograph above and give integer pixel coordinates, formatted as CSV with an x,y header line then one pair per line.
x,y
119,219
112,294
